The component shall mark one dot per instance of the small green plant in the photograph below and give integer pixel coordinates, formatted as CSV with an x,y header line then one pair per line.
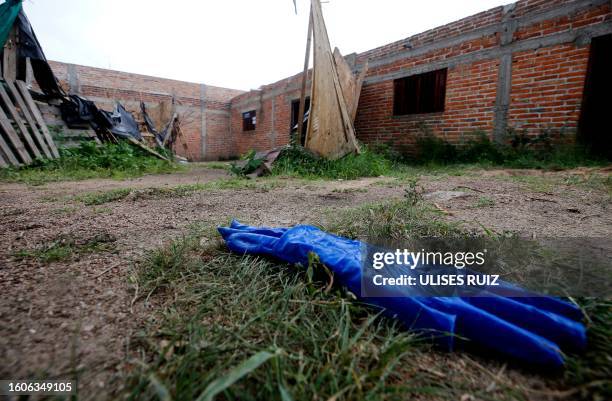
x,y
66,248
90,160
247,165
484,201
100,198
413,193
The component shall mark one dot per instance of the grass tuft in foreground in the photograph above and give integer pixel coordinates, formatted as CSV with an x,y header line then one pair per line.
x,y
248,328
116,161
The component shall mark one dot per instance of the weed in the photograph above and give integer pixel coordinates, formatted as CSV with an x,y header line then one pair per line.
x,y
298,162
102,197
400,219
67,248
217,165
484,201
413,193
521,152
350,190
117,161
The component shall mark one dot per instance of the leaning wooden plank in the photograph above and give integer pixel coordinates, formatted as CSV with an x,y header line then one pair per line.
x,y
24,110
38,117
25,134
3,163
148,149
347,80
330,130
169,129
13,138
7,152
358,86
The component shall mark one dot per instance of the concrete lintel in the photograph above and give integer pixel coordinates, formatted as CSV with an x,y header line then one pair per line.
x,y
73,79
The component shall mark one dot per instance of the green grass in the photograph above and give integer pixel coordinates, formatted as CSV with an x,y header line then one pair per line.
x,y
395,220
102,197
113,195
117,161
249,328
67,248
226,309
484,201
521,151
297,162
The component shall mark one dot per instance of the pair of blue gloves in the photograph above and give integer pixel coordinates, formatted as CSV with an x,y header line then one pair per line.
x,y
523,326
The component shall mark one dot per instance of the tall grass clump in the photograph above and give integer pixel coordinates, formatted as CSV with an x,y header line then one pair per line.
x,y
298,162
519,151
90,160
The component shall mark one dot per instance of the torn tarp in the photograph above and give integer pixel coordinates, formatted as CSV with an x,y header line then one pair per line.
x,y
148,122
78,112
9,11
124,125
163,138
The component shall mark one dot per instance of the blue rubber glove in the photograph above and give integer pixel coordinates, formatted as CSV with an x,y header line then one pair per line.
x,y
528,328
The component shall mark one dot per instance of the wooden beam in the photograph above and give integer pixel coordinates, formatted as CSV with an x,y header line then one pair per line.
x,y
25,134
170,129
148,149
3,163
24,110
29,72
9,62
38,117
11,135
7,152
302,106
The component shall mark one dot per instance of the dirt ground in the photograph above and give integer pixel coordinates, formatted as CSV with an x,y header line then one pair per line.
x,y
59,318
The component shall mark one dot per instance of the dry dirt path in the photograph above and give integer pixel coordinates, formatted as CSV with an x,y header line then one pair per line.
x,y
59,318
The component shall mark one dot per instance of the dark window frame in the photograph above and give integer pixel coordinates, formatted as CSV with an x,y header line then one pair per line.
x,y
247,121
420,94
295,104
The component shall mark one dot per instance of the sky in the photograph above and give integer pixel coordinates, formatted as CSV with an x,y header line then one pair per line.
x,y
239,44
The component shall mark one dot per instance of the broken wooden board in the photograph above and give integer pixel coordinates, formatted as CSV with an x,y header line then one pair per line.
x,y
11,136
3,163
25,134
23,88
330,129
351,84
28,117
7,153
148,149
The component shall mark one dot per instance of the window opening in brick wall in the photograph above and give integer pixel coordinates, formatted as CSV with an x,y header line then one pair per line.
x,y
249,120
295,111
422,93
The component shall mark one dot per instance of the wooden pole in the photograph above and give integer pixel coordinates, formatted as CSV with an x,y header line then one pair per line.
x,y
304,78
9,63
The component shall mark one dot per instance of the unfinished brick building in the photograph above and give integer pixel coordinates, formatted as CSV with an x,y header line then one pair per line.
x,y
534,65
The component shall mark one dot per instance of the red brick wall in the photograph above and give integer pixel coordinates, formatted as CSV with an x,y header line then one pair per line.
x,y
549,45
105,87
547,89
547,78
